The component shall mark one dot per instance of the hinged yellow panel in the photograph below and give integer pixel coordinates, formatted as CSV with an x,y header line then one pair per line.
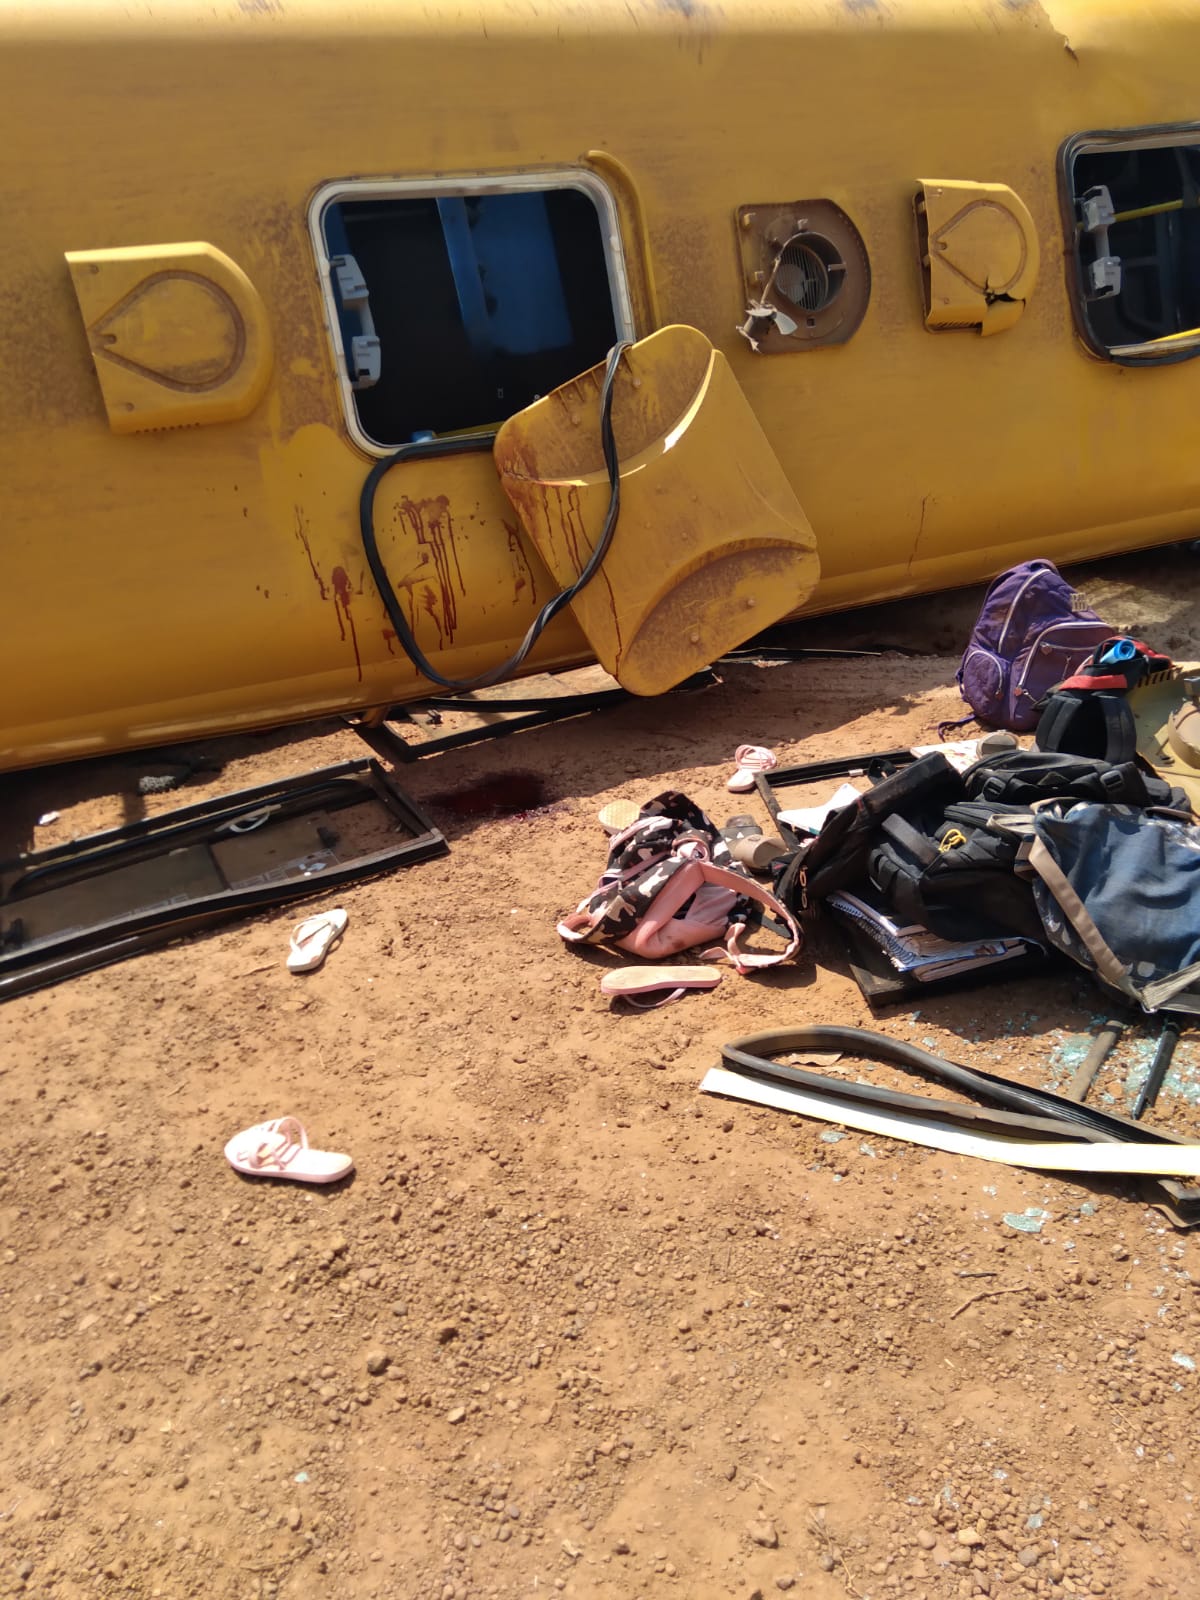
x,y
1166,712
979,254
178,333
711,545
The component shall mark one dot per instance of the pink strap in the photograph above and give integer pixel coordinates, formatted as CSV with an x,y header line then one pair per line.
x,y
581,923
643,1003
747,960
576,928
291,1140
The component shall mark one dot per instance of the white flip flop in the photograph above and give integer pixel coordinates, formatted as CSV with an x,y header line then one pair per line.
x,y
750,759
313,939
280,1149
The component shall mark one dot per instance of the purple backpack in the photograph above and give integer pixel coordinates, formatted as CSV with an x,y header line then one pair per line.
x,y
1033,631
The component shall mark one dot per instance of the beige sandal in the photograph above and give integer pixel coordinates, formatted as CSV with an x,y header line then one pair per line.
x,y
667,983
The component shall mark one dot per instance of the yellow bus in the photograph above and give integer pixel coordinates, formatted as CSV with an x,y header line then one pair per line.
x,y
341,336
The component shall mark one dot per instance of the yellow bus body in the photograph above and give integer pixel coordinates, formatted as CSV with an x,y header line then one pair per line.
x,y
180,530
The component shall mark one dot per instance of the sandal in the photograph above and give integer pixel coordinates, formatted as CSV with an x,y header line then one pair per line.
x,y
751,759
750,847
280,1149
618,815
647,988
313,939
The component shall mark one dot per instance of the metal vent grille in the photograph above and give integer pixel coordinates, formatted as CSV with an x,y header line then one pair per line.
x,y
810,273
806,273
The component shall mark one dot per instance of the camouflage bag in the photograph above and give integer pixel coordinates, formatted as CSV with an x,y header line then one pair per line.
x,y
670,885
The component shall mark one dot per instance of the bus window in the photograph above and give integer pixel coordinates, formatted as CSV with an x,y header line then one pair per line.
x,y
456,309
1133,203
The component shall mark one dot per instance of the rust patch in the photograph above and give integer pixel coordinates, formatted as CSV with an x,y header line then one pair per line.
x,y
571,521
342,597
555,510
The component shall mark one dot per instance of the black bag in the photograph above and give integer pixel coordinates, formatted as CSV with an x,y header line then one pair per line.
x,y
1088,714
837,857
1023,777
1088,722
960,880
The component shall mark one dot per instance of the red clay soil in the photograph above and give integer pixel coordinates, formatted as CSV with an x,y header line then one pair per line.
x,y
572,1327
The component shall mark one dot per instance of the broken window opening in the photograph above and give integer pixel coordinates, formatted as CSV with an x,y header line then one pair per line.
x,y
454,309
1133,201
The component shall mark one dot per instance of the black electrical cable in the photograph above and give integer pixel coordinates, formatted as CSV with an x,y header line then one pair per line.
x,y
474,442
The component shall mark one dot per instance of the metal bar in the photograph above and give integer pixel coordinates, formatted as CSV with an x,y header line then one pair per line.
x,y
1148,211
554,703
881,762
1167,1040
1102,1046
231,804
393,748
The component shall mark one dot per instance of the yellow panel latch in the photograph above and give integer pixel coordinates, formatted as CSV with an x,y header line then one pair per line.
x,y
711,545
978,251
178,333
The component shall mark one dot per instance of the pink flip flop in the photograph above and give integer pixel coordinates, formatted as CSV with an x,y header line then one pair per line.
x,y
646,988
750,759
280,1149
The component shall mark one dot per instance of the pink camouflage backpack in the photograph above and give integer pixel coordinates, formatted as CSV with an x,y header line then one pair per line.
x,y
671,885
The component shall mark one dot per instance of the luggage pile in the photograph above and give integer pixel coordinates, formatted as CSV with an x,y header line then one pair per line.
x,y
1075,846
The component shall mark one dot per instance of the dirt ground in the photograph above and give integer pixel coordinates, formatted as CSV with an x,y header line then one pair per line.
x,y
571,1327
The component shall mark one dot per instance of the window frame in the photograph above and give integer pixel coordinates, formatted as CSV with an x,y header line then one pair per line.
x,y
341,190
1096,141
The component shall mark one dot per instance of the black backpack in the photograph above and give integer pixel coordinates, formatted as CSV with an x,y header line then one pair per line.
x,y
837,857
959,880
1088,722
1088,713
1023,777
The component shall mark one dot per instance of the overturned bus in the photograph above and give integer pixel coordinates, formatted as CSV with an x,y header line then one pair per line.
x,y
343,339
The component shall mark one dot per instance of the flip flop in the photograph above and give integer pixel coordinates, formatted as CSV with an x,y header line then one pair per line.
x,y
313,939
280,1149
638,985
750,760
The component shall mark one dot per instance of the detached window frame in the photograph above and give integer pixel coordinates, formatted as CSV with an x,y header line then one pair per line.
x,y
1093,258
349,191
